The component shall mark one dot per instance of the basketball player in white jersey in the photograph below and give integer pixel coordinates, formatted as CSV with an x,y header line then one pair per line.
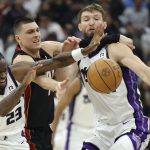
x,y
121,124
12,107
81,118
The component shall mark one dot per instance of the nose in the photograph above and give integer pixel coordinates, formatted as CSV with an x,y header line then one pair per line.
x,y
91,22
36,34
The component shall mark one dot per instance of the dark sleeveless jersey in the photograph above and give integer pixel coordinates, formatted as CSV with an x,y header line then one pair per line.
x,y
39,103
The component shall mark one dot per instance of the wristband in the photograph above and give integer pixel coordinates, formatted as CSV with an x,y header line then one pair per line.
x,y
77,54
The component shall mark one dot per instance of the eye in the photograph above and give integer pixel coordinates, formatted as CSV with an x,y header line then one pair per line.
x,y
38,30
29,32
97,18
85,19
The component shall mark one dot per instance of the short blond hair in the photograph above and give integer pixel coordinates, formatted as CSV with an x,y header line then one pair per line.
x,y
90,8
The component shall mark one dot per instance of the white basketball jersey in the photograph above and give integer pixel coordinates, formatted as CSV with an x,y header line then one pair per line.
x,y
14,121
118,106
81,112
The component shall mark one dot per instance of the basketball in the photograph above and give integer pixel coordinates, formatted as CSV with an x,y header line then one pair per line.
x,y
104,75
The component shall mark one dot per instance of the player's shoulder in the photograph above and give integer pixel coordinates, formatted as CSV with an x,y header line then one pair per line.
x,y
118,48
115,45
51,46
20,58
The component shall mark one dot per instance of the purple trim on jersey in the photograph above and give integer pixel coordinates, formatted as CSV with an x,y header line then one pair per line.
x,y
70,123
89,146
12,77
23,133
136,141
71,111
141,121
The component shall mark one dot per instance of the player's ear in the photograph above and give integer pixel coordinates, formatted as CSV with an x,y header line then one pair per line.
x,y
17,38
105,25
79,27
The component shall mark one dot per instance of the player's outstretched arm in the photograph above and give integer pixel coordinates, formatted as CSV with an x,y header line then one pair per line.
x,y
109,39
8,103
68,58
129,60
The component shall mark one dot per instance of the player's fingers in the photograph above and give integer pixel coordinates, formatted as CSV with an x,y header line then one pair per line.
x,y
63,84
70,39
67,42
73,39
76,39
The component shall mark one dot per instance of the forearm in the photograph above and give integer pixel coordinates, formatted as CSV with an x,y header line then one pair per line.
x,y
58,111
112,38
144,74
66,58
8,103
62,60
46,83
55,124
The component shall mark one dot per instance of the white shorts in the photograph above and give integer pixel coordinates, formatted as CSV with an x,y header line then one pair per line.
x,y
72,139
113,137
13,142
77,136
60,140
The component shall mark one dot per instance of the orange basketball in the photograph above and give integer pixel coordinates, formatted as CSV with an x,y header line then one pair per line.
x,y
104,75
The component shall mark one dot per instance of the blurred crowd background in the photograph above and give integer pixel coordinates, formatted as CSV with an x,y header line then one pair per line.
x,y
57,20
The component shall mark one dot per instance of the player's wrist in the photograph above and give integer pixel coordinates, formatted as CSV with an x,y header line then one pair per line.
x,y
77,54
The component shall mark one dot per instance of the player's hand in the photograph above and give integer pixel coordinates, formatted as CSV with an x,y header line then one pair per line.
x,y
127,41
61,88
97,37
30,76
98,34
70,43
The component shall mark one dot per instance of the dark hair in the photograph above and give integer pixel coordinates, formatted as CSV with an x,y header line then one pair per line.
x,y
90,8
1,56
18,23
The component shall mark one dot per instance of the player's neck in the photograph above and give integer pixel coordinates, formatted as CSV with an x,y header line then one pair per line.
x,y
32,53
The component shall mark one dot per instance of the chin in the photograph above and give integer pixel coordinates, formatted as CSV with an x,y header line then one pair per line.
x,y
88,35
38,46
91,33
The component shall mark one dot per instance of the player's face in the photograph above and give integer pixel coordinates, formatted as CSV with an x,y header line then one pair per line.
x,y
3,74
29,37
90,21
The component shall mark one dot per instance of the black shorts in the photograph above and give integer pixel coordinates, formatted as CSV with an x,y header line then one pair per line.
x,y
39,138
